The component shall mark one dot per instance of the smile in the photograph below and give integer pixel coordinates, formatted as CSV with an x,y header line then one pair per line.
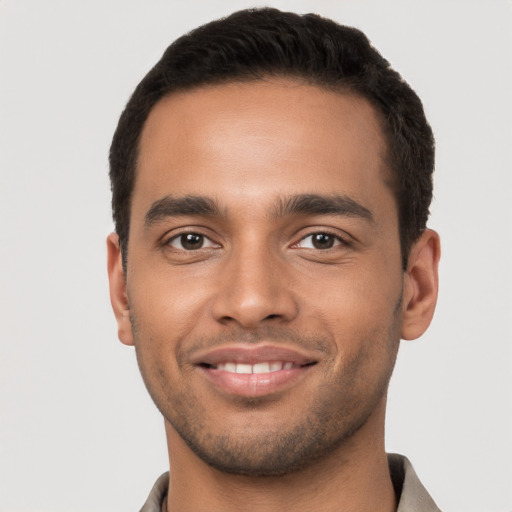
x,y
253,371
263,367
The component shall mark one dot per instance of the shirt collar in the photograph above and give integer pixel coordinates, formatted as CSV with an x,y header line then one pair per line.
x,y
413,496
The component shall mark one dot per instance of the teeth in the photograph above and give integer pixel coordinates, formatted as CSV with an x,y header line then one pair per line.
x,y
243,368
265,367
261,368
230,367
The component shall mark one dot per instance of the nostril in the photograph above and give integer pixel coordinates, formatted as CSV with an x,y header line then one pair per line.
x,y
249,304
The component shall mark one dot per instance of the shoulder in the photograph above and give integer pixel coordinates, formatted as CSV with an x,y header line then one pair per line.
x,y
412,495
157,495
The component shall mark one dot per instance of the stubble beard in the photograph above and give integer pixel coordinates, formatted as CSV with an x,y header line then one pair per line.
x,y
341,410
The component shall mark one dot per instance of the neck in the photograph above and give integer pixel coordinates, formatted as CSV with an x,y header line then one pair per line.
x,y
355,476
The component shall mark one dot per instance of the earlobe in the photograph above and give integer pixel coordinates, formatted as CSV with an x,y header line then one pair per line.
x,y
118,294
421,285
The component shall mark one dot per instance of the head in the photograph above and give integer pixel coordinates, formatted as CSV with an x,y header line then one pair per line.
x,y
271,180
252,45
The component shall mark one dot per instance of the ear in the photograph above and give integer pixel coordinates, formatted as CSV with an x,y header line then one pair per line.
x,y
118,295
421,285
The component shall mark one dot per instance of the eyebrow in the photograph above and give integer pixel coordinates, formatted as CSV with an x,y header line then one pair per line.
x,y
302,204
316,204
170,206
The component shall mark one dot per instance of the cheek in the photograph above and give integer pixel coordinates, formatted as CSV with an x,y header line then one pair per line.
x,y
360,309
158,330
166,303
353,295
166,309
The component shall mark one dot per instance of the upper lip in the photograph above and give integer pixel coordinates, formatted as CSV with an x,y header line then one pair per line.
x,y
252,354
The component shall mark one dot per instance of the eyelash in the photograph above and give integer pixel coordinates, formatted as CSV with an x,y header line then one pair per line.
x,y
336,238
205,239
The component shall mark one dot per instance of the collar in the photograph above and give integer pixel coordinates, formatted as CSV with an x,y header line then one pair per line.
x,y
413,496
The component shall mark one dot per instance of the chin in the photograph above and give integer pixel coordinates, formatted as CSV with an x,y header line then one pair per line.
x,y
270,454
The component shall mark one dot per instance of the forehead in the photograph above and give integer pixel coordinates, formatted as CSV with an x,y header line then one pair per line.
x,y
258,139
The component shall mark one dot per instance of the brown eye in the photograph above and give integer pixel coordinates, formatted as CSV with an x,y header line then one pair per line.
x,y
191,242
320,241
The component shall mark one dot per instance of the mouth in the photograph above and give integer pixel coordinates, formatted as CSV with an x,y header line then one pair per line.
x,y
258,368
254,371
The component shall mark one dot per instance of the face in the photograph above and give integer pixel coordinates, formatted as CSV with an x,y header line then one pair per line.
x,y
264,277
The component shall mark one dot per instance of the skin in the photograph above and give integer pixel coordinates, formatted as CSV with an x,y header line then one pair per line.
x,y
318,442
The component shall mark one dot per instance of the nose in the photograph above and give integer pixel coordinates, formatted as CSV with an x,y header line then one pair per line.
x,y
254,288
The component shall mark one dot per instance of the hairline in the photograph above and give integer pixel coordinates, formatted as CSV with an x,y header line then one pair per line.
x,y
343,87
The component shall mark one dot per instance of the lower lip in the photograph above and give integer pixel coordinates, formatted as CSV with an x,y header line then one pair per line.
x,y
255,384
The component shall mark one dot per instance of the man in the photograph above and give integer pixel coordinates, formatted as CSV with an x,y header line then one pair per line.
x,y
271,181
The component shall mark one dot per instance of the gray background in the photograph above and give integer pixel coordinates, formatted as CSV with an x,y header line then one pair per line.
x,y
78,432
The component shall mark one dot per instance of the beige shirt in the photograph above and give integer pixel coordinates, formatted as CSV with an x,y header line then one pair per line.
x,y
413,496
